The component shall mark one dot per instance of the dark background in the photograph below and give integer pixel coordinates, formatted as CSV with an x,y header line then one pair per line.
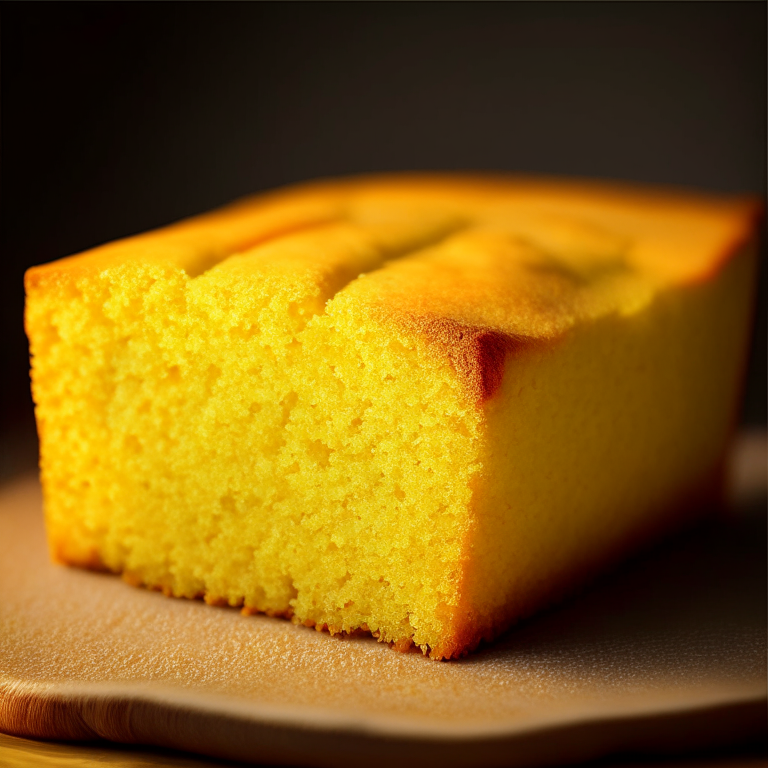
x,y
121,117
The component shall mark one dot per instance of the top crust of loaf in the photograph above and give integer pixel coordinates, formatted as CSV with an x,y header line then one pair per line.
x,y
508,262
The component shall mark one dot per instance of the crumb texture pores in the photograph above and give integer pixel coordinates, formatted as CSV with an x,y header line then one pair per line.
x,y
420,407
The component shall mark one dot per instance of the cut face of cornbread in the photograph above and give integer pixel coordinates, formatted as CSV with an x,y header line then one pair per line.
x,y
421,407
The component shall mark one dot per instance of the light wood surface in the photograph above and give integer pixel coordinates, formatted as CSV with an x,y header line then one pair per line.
x,y
668,653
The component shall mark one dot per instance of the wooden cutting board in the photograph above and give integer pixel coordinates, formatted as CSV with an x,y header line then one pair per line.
x,y
668,653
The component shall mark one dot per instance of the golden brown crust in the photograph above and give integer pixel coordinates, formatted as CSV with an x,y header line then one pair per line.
x,y
753,223
256,220
476,353
61,552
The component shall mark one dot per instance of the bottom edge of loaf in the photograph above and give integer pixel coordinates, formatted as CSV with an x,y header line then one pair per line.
x,y
704,500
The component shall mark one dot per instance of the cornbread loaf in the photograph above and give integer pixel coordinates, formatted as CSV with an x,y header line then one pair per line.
x,y
423,407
